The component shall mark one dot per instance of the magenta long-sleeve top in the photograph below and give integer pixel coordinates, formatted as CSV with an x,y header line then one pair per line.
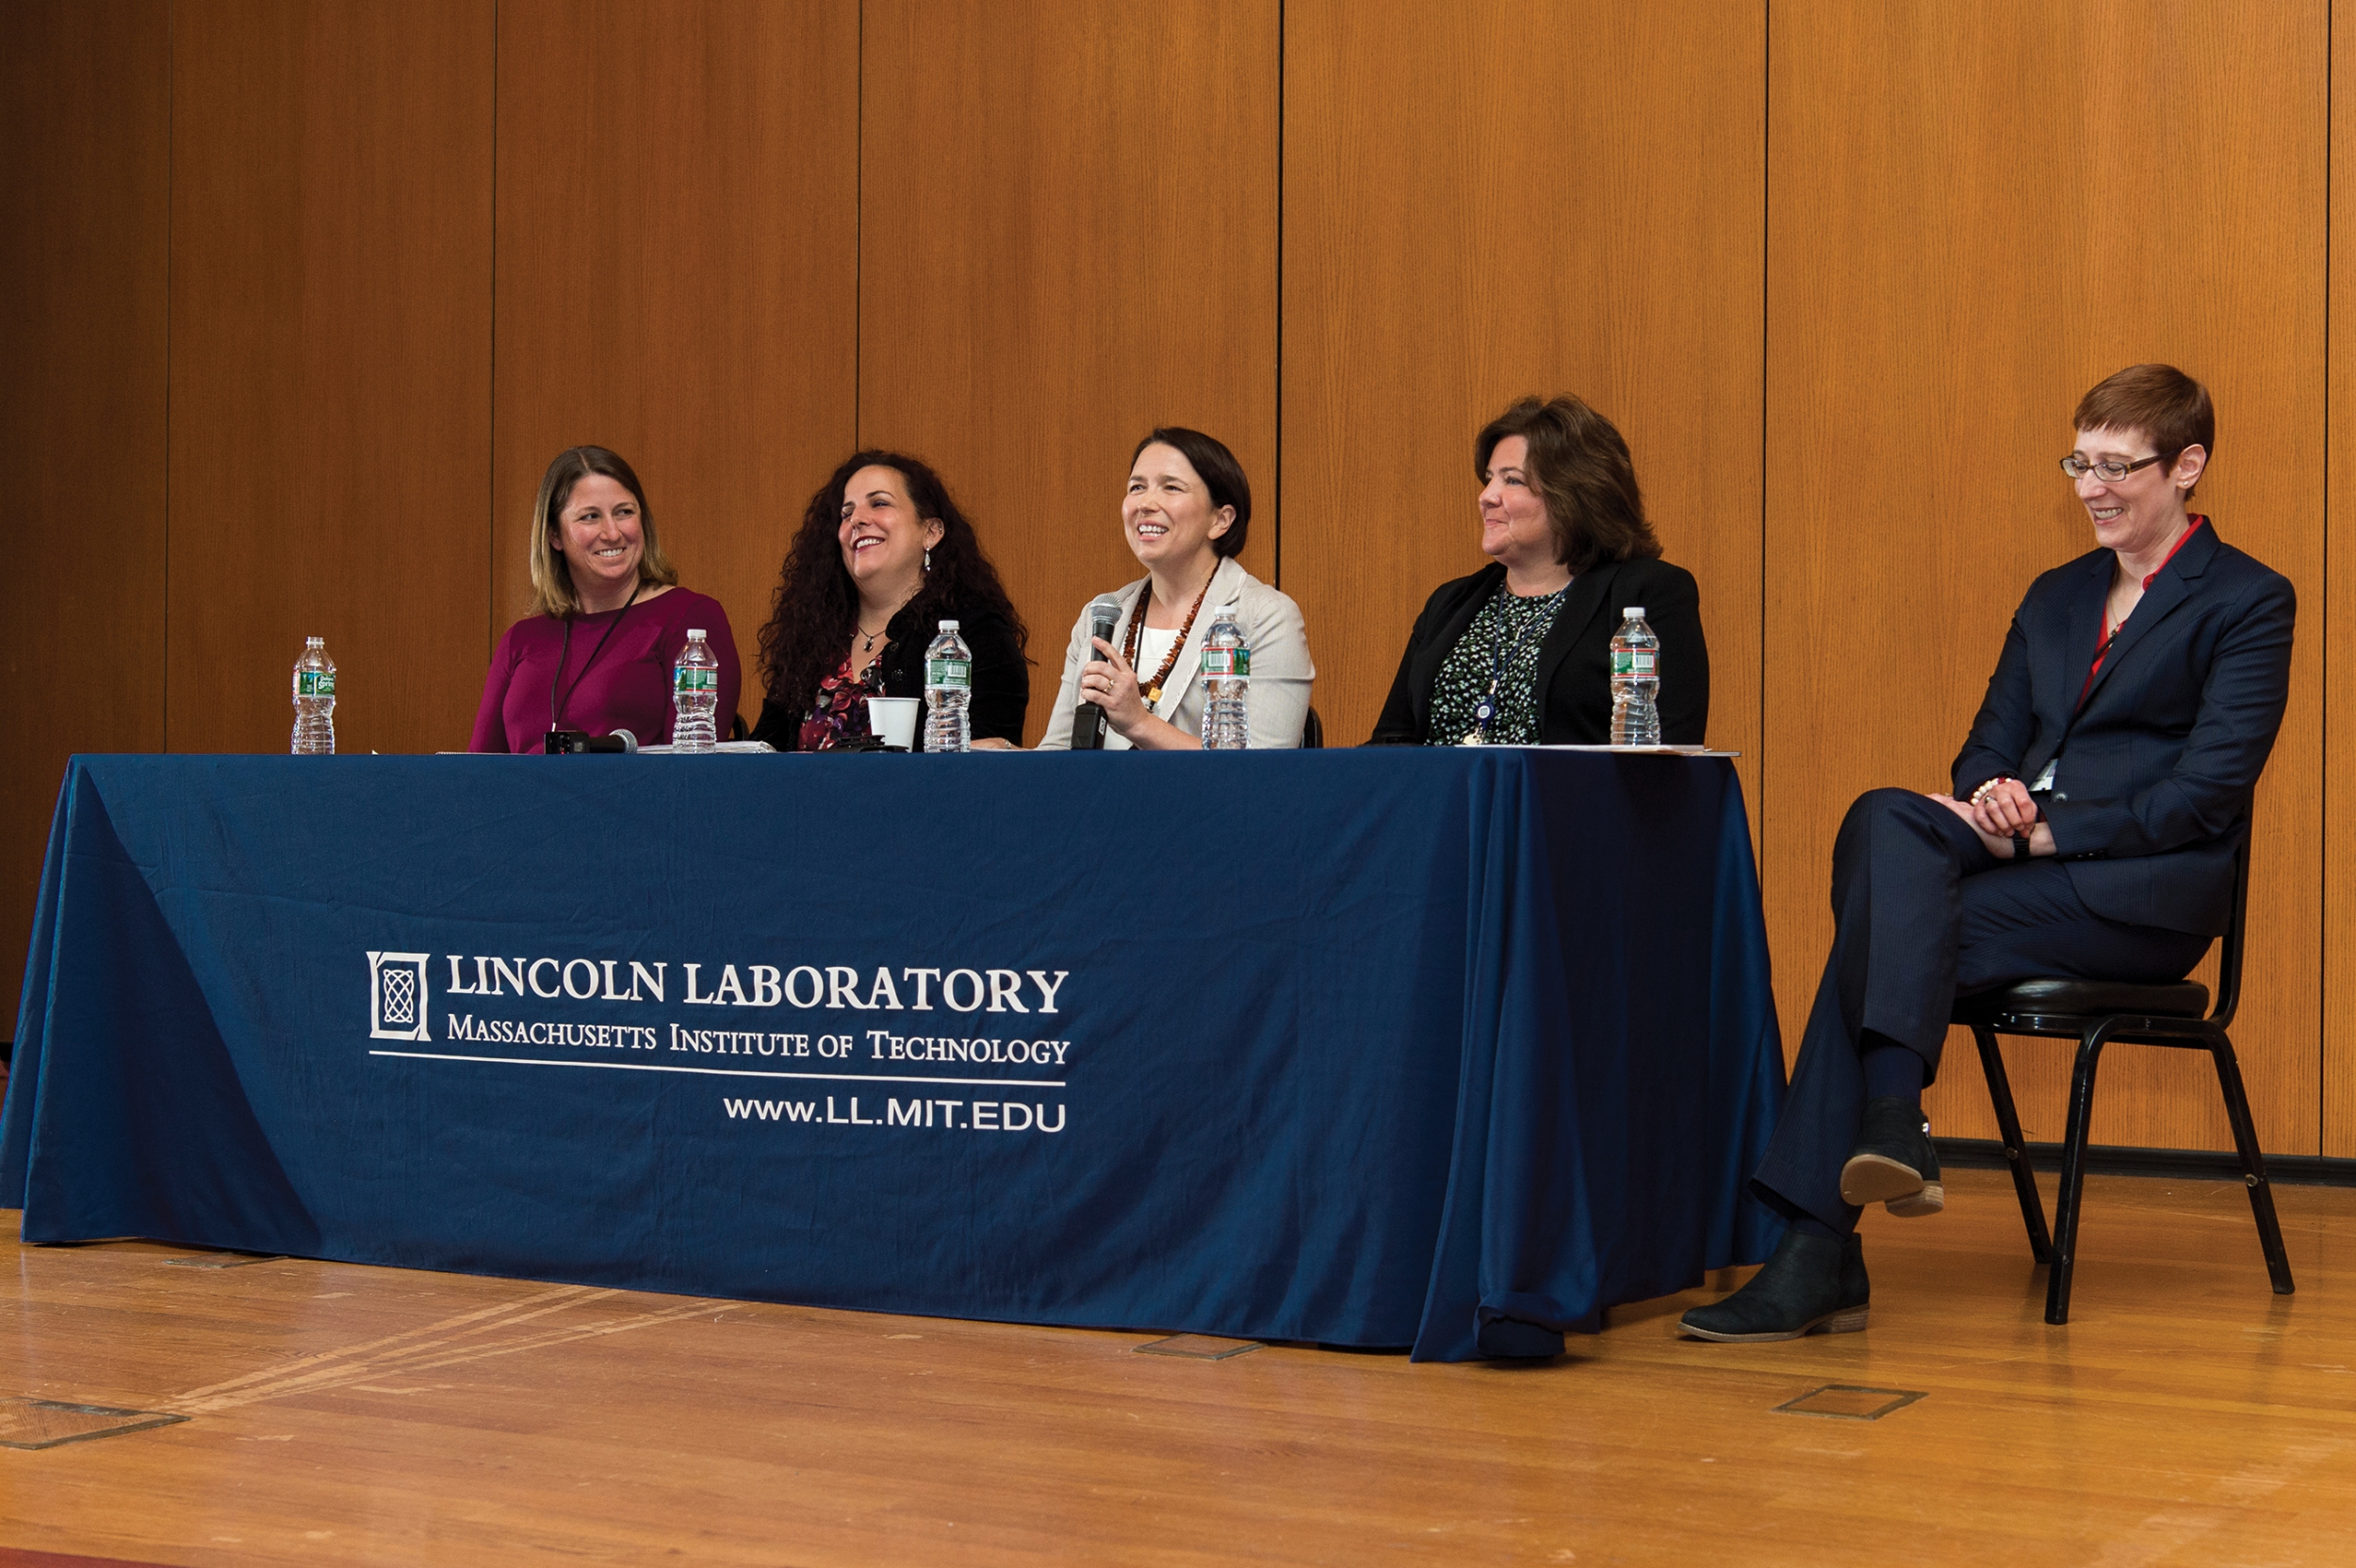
x,y
626,685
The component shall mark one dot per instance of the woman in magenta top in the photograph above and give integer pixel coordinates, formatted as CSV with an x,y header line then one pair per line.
x,y
610,618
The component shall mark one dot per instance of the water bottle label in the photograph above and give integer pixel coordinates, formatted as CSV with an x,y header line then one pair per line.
x,y
315,683
1639,662
684,681
1227,661
949,671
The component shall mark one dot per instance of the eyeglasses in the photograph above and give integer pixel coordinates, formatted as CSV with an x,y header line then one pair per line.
x,y
2078,467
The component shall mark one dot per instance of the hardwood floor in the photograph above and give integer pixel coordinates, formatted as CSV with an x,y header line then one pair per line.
x,y
344,1414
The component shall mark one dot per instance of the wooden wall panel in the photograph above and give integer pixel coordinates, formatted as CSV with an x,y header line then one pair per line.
x,y
331,365
732,240
85,105
2338,846
1975,212
1456,237
1068,235
678,274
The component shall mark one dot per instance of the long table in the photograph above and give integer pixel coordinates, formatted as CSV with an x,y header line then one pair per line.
x,y
1449,1050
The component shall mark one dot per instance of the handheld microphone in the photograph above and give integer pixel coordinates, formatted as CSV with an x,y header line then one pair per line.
x,y
1087,720
574,742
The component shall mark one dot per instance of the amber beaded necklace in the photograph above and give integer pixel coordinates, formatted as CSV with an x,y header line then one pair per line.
x,y
1136,639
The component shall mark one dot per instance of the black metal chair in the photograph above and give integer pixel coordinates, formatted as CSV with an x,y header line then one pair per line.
x,y
2098,1012
1313,732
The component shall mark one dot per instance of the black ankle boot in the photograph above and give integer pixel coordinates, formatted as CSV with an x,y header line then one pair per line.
x,y
1812,1286
1894,1162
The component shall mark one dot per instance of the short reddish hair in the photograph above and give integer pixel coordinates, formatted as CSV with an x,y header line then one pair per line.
x,y
2160,400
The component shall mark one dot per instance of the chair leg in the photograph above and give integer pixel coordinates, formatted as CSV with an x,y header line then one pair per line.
x,y
2016,1148
2073,1171
2253,1170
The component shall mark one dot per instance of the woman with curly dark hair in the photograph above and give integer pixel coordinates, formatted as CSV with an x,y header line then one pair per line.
x,y
883,557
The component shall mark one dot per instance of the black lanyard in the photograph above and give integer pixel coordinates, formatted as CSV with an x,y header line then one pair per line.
x,y
556,687
1501,655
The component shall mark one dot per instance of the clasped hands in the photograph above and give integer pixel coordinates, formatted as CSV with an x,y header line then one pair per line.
x,y
2003,810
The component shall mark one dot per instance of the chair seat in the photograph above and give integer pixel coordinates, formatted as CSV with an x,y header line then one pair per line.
x,y
2100,1012
2086,998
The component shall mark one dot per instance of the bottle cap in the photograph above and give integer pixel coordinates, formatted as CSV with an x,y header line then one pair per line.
x,y
948,625
1635,611
697,632
315,641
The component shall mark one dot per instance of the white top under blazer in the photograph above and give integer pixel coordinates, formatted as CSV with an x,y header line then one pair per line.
x,y
1272,629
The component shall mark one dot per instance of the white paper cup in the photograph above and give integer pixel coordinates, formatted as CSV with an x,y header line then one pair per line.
x,y
893,720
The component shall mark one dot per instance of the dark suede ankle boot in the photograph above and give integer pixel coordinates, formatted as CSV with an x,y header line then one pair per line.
x,y
1812,1286
1894,1162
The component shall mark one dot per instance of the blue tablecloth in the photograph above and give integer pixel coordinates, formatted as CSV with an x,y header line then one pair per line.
x,y
1452,1050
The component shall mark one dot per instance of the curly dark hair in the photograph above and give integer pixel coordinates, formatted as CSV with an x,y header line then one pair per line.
x,y
816,606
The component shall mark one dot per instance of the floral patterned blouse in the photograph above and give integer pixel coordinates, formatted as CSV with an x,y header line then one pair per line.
x,y
1508,626
840,712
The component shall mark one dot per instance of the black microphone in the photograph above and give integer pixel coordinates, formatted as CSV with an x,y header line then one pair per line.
x,y
573,742
1087,720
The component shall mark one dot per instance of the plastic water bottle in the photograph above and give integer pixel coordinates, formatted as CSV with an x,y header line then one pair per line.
x,y
1226,684
1635,681
315,700
948,688
694,695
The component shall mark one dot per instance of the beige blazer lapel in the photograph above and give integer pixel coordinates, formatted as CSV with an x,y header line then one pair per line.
x,y
1224,587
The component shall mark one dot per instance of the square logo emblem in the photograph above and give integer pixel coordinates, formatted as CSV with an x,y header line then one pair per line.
x,y
397,997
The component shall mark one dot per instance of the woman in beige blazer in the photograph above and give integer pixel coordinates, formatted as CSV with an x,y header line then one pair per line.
x,y
1185,513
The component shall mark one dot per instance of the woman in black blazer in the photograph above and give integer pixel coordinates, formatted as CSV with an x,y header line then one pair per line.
x,y
2096,807
1519,652
882,558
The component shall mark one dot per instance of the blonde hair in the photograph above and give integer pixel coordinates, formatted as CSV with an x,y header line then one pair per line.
x,y
552,576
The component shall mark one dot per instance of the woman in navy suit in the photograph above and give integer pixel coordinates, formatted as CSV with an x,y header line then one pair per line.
x,y
2097,809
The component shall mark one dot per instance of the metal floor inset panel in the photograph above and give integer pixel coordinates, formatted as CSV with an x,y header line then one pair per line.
x,y
1198,1347
45,1423
1848,1402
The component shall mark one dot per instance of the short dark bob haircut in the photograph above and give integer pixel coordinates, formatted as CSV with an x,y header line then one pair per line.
x,y
1221,475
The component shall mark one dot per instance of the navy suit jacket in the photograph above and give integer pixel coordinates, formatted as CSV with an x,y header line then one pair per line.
x,y
2151,797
